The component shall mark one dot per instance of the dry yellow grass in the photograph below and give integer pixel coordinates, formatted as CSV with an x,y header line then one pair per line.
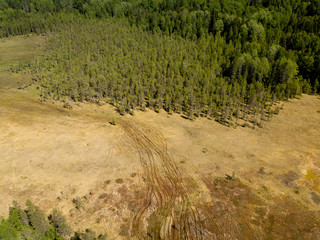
x,y
51,156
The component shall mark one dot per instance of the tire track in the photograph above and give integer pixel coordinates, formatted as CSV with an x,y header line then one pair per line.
x,y
172,207
166,206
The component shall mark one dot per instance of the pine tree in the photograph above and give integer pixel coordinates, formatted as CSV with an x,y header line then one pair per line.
x,y
59,222
37,218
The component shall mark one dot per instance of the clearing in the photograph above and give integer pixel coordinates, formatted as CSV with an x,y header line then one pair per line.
x,y
155,174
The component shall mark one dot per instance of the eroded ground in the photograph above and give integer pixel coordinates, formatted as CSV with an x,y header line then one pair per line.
x,y
162,176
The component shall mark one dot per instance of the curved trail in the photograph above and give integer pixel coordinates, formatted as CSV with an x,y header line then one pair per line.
x,y
166,203
172,207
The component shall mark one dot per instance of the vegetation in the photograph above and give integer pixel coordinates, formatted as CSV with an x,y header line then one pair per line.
x,y
229,60
31,223
226,60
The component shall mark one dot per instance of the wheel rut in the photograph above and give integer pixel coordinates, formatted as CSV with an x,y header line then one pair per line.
x,y
166,207
173,207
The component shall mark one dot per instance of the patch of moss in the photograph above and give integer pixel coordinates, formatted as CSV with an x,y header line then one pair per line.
x,y
310,175
119,180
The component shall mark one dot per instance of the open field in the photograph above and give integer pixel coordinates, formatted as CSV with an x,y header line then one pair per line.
x,y
14,51
155,174
19,49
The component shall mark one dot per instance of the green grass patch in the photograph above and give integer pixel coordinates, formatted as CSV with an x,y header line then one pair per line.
x,y
15,51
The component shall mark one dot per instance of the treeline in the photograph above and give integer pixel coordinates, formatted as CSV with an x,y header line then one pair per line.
x,y
94,60
250,27
18,22
226,60
31,223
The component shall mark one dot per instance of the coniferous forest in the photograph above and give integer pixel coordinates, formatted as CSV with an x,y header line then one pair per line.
x,y
32,223
232,61
226,60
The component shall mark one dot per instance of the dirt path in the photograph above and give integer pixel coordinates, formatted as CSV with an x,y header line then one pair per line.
x,y
166,188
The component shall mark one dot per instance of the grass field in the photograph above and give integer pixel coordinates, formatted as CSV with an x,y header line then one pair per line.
x,y
14,51
155,173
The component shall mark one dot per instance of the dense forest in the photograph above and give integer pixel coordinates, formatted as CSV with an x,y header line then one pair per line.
x,y
226,60
31,223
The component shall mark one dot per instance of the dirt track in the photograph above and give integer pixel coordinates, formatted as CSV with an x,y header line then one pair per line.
x,y
166,190
167,206
144,183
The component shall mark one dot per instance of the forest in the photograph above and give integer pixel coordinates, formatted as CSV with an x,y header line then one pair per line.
x,y
231,61
226,60
32,223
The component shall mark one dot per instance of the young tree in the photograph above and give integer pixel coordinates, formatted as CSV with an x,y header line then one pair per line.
x,y
37,218
58,221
